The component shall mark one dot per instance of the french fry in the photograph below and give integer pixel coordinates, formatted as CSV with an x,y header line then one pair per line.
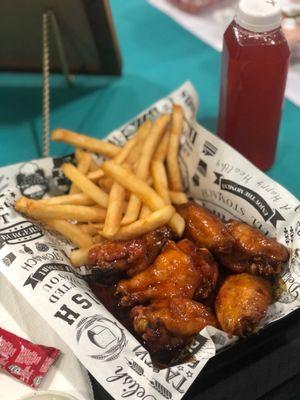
x,y
121,157
145,193
85,142
91,229
96,174
143,166
162,149
154,220
39,210
141,136
105,183
93,165
124,153
87,186
71,231
145,211
160,180
178,198
174,175
114,210
79,257
83,163
97,239
77,198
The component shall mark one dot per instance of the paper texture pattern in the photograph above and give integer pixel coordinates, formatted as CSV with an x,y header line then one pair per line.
x,y
36,261
210,25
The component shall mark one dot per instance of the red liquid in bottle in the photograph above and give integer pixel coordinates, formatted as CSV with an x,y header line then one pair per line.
x,y
254,70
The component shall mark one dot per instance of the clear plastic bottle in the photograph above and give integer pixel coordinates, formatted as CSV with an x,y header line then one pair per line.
x,y
254,69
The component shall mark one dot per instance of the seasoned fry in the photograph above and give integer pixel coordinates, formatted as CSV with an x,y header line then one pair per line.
x,y
40,210
71,231
143,166
160,180
178,198
162,149
85,142
77,198
145,193
83,163
142,226
87,186
174,175
114,210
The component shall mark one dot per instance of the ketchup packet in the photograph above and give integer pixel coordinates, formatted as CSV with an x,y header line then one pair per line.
x,y
24,360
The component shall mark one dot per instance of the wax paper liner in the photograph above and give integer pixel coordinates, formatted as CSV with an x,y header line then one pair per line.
x,y
36,261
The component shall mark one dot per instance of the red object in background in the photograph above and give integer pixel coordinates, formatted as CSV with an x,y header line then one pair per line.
x,y
254,71
193,6
24,360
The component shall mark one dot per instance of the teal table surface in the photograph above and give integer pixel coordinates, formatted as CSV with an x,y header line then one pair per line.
x,y
158,55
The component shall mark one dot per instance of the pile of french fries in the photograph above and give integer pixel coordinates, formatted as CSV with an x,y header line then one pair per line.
x,y
130,194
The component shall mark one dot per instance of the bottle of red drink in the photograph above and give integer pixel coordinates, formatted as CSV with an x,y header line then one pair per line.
x,y
254,70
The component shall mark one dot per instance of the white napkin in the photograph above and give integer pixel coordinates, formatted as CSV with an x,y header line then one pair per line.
x,y
66,374
209,26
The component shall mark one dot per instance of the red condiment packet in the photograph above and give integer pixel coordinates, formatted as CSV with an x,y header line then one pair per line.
x,y
24,360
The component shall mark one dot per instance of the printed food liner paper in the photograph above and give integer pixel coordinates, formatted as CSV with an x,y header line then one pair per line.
x,y
36,261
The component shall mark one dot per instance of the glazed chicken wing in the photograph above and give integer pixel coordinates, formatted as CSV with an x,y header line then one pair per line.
x,y
205,229
253,252
110,259
179,271
241,303
171,323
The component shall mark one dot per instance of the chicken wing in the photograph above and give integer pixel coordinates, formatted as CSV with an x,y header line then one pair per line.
x,y
241,303
170,323
253,252
205,229
109,259
179,271
206,266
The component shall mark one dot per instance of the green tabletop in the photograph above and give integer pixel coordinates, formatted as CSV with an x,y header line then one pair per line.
x,y
158,56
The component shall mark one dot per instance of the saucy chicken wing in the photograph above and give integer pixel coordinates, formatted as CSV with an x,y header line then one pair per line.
x,y
253,252
110,259
205,229
181,270
241,303
170,323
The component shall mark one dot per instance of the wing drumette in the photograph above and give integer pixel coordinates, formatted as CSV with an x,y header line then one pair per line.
x,y
241,303
253,252
171,323
205,229
179,271
110,259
